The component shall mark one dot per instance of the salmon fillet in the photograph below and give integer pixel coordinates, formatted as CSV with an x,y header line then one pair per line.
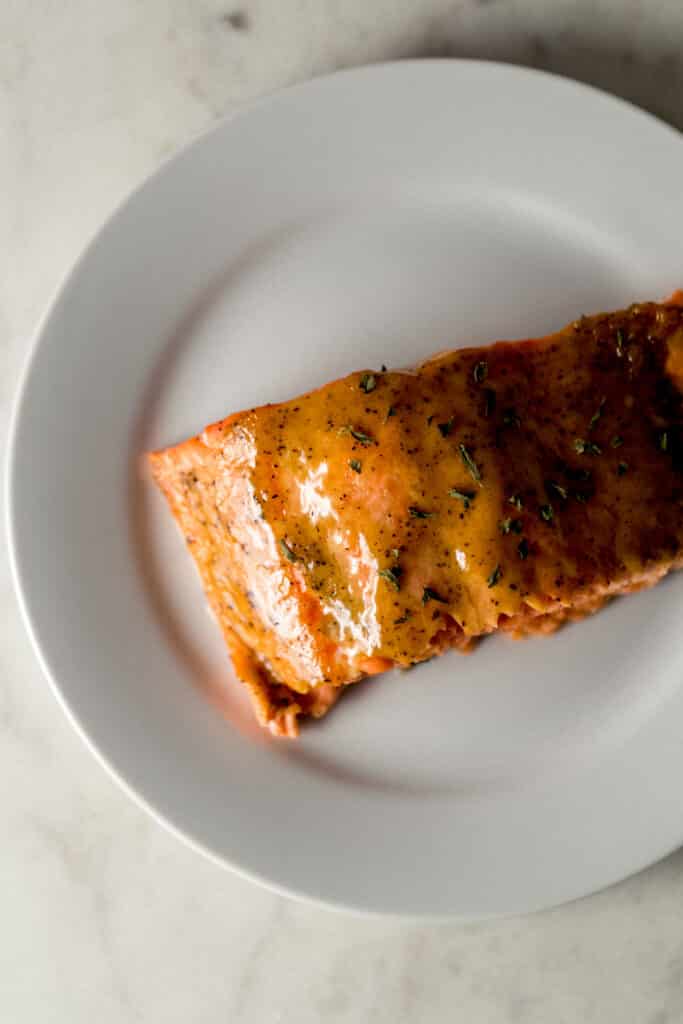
x,y
391,515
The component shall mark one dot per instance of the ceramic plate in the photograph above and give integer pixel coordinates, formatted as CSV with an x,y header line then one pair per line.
x,y
371,217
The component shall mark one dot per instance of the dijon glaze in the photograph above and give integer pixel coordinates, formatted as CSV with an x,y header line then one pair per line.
x,y
388,515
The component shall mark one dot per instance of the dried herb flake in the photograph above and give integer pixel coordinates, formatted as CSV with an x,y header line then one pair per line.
x,y
510,526
480,372
583,447
290,555
418,513
494,577
620,342
553,487
470,464
358,435
392,576
597,414
466,497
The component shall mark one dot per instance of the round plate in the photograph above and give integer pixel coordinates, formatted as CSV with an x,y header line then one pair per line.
x,y
371,217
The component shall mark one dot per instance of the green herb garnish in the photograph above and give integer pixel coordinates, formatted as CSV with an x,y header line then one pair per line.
x,y
547,513
494,577
480,372
445,428
622,468
470,464
290,555
516,501
523,548
391,411
431,595
597,414
583,447
356,465
392,576
368,383
617,441
620,342
553,487
418,513
358,435
510,526
664,441
404,618
466,497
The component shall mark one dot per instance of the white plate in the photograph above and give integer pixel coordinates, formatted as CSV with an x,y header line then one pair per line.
x,y
373,216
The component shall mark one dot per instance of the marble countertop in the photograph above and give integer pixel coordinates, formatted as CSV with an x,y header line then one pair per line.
x,y
105,916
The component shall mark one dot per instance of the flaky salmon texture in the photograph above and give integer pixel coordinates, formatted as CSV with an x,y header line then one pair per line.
x,y
391,515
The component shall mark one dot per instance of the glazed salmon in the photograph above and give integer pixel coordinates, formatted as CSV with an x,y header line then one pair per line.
x,y
391,515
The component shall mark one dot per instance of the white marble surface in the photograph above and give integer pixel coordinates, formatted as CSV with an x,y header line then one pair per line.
x,y
105,916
